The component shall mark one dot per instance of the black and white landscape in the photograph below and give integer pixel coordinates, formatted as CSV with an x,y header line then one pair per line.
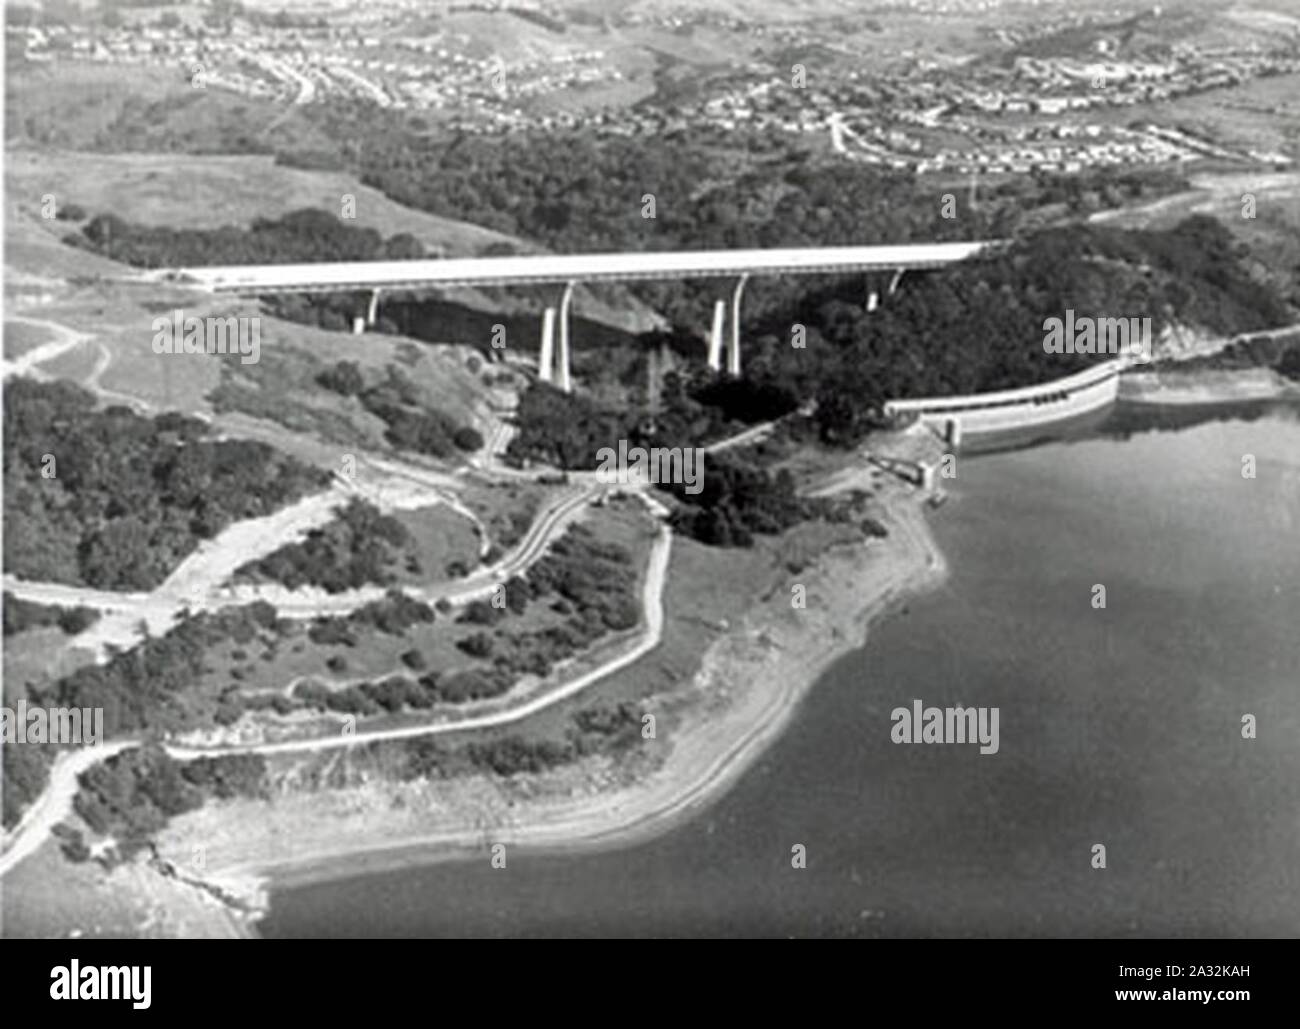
x,y
642,468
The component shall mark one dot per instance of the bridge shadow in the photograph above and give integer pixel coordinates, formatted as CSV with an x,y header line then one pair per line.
x,y
437,320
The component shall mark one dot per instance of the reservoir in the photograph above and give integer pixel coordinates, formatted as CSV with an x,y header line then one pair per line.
x,y
1119,727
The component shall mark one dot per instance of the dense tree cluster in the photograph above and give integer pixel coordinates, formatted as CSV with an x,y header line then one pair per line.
x,y
393,694
22,614
737,500
107,498
591,583
597,578
1289,363
303,235
396,693
358,548
591,580
392,615
1281,353
131,795
980,326
569,430
26,771
150,688
343,377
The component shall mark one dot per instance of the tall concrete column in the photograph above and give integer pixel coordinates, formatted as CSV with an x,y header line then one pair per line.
x,y
873,293
715,335
372,311
893,283
565,300
733,351
546,359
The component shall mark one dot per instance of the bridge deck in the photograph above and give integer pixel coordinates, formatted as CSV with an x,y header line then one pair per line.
x,y
562,268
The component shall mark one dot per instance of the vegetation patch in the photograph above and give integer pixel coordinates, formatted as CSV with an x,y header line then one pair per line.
x,y
110,499
358,548
131,796
22,614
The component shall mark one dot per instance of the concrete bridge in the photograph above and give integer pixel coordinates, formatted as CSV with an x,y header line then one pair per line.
x,y
568,270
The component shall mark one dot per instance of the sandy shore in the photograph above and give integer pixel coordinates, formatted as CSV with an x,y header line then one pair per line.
x,y
746,689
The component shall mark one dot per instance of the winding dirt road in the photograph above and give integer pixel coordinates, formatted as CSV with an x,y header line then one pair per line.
x,y
55,802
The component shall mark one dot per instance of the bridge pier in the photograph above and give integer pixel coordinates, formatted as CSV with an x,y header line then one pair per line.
x,y
873,288
733,351
566,299
546,358
372,310
715,335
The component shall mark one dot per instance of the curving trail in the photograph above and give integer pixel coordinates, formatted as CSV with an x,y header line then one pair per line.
x,y
193,585
55,802
64,340
651,635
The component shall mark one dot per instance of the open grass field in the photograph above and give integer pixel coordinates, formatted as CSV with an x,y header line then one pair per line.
x,y
37,656
439,538
282,387
184,191
20,337
506,508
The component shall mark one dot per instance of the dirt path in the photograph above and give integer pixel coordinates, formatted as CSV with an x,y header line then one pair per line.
x,y
55,803
64,340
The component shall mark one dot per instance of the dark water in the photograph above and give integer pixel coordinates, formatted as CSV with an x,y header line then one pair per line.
x,y
1119,726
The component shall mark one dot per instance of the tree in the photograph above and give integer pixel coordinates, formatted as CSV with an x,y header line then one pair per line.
x,y
468,439
403,247
344,377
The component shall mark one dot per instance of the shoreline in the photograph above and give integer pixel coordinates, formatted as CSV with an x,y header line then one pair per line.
x,y
747,688
1188,387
